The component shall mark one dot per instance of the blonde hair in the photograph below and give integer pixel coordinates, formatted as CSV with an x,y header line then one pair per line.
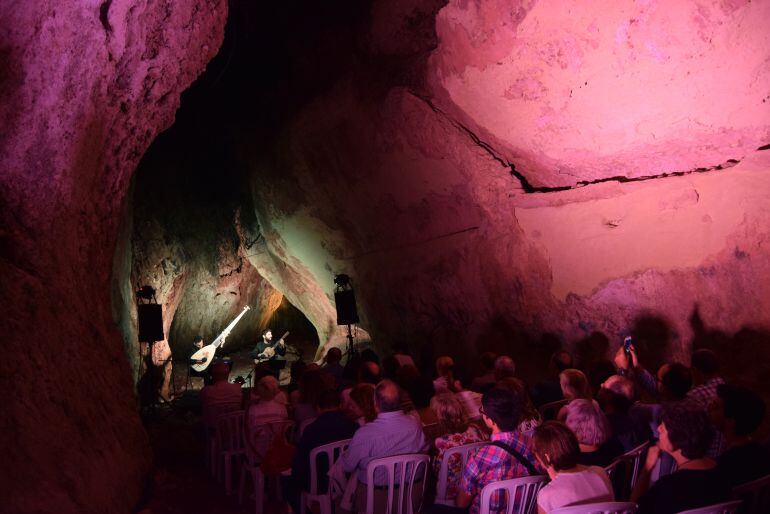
x,y
574,385
267,388
450,413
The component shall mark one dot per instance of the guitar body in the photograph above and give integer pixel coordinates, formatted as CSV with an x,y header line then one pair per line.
x,y
207,352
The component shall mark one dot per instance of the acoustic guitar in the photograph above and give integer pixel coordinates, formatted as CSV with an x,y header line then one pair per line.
x,y
201,359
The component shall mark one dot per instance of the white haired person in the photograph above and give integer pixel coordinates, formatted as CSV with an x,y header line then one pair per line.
x,y
592,429
266,410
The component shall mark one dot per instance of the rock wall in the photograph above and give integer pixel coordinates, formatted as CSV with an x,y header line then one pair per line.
x,y
85,87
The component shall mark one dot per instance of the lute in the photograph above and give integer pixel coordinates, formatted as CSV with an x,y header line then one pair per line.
x,y
203,357
269,352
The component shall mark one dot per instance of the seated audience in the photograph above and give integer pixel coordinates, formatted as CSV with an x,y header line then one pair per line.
x,y
392,433
504,367
219,393
312,383
685,434
530,417
368,373
627,365
574,386
457,431
487,379
549,390
401,354
445,380
361,405
673,382
615,397
421,393
406,377
737,412
500,411
558,452
590,425
706,379
333,366
265,411
330,426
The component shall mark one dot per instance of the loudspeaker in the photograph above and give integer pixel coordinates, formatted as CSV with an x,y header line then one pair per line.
x,y
150,317
346,307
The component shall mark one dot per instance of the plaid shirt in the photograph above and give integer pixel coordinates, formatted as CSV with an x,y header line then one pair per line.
x,y
491,464
704,395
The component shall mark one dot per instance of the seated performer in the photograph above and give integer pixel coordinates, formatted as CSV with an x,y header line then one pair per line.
x,y
272,352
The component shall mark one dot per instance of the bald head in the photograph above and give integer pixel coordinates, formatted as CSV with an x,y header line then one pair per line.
x,y
387,397
504,367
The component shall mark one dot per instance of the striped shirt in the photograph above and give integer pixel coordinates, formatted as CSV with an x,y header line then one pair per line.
x,y
491,464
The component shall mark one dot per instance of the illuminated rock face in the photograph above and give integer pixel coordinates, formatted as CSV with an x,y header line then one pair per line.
x,y
85,88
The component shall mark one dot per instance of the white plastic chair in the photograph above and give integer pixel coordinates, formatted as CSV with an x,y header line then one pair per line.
x,y
718,508
324,499
756,494
403,472
461,452
231,443
522,494
599,508
303,425
253,460
211,414
624,472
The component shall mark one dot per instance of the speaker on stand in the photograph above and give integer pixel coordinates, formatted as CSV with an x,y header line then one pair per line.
x,y
150,327
345,303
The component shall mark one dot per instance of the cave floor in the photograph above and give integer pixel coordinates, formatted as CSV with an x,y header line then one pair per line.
x,y
179,482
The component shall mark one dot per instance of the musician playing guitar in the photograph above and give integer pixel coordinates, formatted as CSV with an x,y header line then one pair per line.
x,y
271,352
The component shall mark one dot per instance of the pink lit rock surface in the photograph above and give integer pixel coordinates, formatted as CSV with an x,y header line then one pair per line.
x,y
85,88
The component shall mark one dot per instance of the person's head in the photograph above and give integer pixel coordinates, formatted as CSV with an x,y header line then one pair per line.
x,y
421,392
705,365
555,447
328,400
519,388
560,361
220,371
363,400
406,376
369,373
333,356
369,355
500,410
387,397
267,388
504,367
674,381
310,385
574,384
737,411
685,430
588,422
451,415
198,341
390,367
488,361
616,394
267,335
444,366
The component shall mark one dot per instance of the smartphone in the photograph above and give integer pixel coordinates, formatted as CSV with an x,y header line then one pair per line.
x,y
627,342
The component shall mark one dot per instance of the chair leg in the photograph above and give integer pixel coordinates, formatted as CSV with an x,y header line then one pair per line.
x,y
242,483
228,474
325,503
302,503
259,490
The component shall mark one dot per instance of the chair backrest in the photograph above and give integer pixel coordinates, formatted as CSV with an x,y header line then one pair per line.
x,y
718,508
458,452
231,430
633,458
258,441
624,471
521,492
213,411
599,508
549,411
303,425
332,451
756,494
403,472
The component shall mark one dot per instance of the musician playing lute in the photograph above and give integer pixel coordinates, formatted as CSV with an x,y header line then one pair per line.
x,y
270,351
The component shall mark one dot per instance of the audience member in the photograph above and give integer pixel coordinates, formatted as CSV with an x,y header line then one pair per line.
x,y
392,433
590,425
706,379
421,393
219,393
313,382
558,452
445,380
507,457
401,354
627,365
333,366
616,397
369,355
685,434
673,383
549,390
487,379
361,406
330,426
390,367
265,411
530,417
457,431
504,367
737,412
368,373
574,386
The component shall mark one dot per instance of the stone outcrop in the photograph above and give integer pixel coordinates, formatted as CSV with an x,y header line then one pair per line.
x,y
85,88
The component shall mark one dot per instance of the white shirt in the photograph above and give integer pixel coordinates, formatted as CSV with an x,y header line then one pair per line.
x,y
591,485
